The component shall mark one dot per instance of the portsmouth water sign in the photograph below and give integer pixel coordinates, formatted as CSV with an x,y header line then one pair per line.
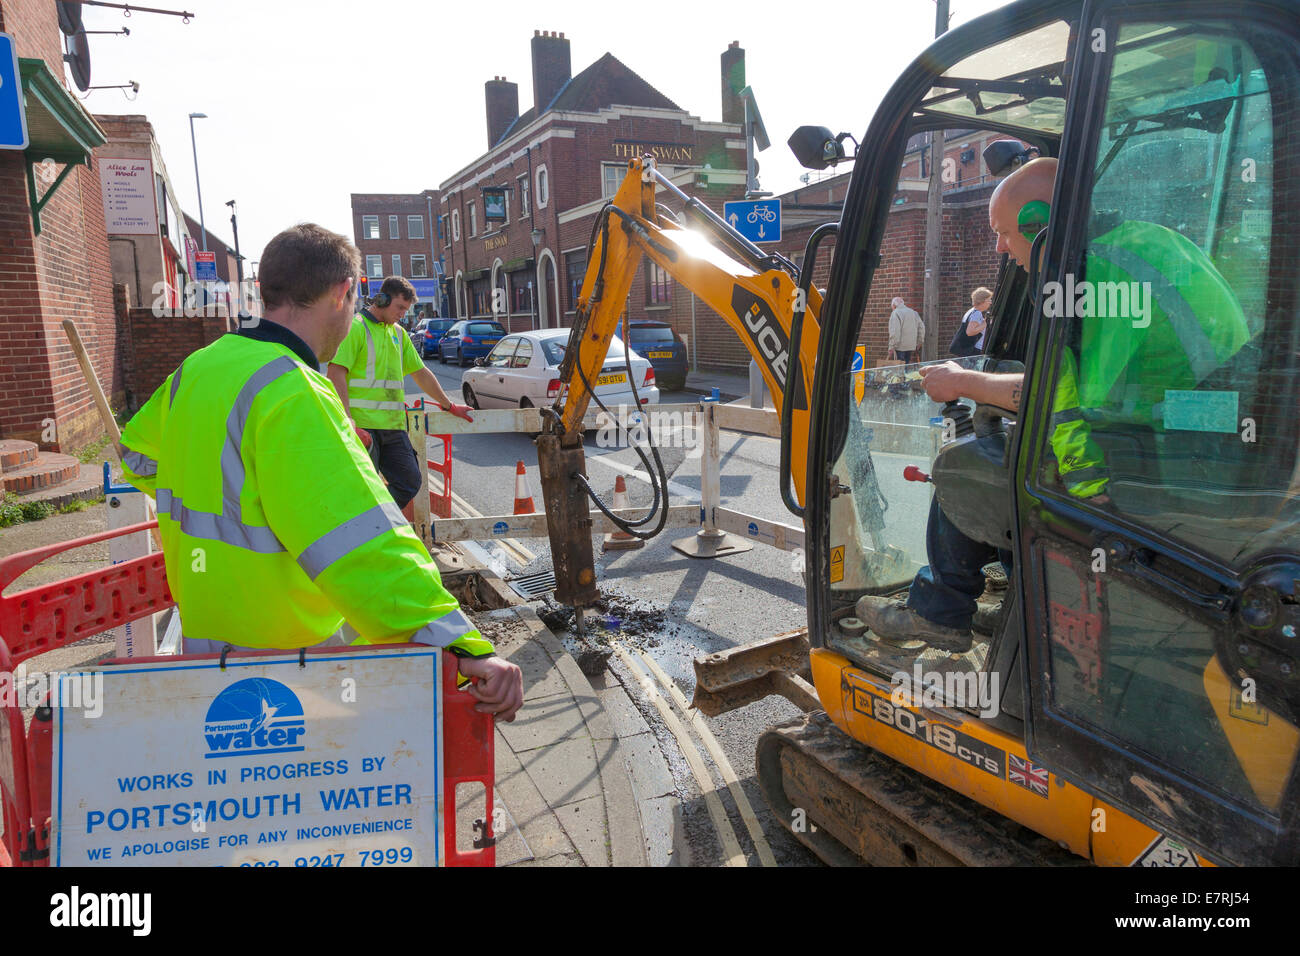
x,y
263,763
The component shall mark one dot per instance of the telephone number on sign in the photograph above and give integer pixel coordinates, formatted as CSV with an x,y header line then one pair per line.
x,y
364,858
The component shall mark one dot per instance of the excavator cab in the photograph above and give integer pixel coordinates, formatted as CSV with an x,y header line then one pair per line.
x,y
1141,661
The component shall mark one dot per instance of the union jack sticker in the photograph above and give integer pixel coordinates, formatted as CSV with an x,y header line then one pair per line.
x,y
1028,775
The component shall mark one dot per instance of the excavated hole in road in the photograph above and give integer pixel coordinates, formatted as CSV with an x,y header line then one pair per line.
x,y
630,621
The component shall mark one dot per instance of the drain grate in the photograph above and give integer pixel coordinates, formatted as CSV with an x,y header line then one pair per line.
x,y
532,586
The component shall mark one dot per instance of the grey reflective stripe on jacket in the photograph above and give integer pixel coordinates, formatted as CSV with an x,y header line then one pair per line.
x,y
349,536
444,631
229,527
370,381
139,464
1197,347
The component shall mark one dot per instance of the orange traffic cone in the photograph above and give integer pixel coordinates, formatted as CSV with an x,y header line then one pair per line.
x,y
621,540
523,494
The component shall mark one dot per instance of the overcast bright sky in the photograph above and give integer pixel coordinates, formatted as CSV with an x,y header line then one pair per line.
x,y
309,102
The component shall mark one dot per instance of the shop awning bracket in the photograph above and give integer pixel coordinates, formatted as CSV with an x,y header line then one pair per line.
x,y
37,204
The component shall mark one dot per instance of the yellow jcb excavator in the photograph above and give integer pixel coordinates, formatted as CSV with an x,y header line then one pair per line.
x,y
1133,692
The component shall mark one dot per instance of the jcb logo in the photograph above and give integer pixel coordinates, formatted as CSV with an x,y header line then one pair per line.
x,y
766,333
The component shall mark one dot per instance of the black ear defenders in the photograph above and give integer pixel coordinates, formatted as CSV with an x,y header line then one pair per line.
x,y
381,300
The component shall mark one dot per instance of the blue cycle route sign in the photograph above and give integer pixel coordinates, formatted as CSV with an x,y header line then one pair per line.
x,y
758,220
13,120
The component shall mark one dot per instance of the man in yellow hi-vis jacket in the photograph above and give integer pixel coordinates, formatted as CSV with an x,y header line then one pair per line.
x,y
1173,338
368,371
275,527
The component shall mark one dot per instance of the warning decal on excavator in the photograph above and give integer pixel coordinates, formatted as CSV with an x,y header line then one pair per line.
x,y
771,342
1166,852
939,736
837,564
1244,709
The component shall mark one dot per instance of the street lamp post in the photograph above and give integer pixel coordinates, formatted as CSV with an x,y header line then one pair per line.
x,y
239,260
536,237
194,146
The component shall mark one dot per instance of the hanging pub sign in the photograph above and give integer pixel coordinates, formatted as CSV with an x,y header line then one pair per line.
x,y
494,203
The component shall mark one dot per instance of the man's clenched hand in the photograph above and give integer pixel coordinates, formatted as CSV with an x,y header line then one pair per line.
x,y
943,383
500,690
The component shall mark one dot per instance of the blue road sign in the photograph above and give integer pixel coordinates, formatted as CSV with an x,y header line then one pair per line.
x,y
758,220
13,120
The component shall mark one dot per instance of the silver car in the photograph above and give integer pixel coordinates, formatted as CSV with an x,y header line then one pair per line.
x,y
523,371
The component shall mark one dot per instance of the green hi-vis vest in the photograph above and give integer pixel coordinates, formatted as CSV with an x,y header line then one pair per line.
x,y
377,356
275,526
1184,323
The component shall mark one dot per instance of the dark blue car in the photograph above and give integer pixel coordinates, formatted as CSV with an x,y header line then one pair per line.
x,y
468,339
667,354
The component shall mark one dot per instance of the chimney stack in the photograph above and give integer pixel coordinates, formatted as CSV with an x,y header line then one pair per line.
x,y
551,67
733,81
502,99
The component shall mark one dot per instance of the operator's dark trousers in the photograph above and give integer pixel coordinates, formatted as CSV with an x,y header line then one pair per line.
x,y
944,592
397,462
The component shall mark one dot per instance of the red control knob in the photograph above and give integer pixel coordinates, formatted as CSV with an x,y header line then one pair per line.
x,y
912,473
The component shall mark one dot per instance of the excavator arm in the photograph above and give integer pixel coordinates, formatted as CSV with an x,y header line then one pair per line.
x,y
756,293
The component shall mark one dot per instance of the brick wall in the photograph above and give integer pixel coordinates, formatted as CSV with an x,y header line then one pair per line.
x,y
62,274
162,342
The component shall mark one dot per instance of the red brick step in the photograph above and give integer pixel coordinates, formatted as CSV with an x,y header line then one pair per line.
x,y
47,471
15,453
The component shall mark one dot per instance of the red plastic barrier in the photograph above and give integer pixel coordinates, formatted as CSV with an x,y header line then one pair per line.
x,y
440,505
50,616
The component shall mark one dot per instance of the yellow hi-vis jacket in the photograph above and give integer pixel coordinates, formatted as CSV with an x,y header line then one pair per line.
x,y
377,356
1185,325
275,526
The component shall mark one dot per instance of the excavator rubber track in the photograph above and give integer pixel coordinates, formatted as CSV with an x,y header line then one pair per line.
x,y
861,807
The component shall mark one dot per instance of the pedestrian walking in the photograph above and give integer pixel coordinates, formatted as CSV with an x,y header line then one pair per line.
x,y
969,337
906,333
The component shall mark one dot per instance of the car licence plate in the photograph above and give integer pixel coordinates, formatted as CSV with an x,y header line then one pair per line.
x,y
618,379
489,342
660,354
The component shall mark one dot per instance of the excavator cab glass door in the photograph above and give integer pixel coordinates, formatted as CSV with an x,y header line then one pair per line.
x,y
1158,468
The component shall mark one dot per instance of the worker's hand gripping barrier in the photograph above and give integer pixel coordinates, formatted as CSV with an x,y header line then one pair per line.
x,y
50,616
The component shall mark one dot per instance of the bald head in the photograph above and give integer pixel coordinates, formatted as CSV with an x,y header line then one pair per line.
x,y
1033,181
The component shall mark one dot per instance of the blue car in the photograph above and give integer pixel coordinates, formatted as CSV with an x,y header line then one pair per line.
x,y
659,343
468,339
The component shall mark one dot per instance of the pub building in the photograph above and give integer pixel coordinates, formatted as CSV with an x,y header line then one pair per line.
x,y
518,219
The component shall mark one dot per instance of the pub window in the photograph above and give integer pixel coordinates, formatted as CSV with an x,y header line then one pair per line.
x,y
473,220
369,227
575,268
523,196
397,265
375,265
414,227
455,224
392,228
543,187
611,178
418,270
659,286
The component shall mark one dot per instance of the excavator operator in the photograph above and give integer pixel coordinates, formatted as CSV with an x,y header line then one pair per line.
x,y
1188,324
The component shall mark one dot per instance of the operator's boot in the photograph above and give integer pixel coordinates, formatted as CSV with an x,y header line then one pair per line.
x,y
892,620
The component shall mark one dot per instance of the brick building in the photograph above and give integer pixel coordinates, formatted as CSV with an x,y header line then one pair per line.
x,y
54,253
555,165
148,238
397,234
